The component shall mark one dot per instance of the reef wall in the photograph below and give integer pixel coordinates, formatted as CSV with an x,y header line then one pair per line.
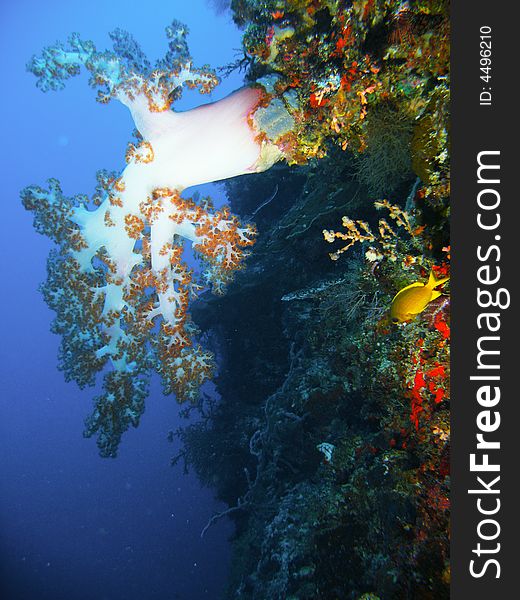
x,y
330,441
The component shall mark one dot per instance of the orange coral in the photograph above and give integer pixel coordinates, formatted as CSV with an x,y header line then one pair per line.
x,y
142,153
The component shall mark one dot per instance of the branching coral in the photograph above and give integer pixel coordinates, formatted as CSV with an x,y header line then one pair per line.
x,y
385,241
386,161
117,280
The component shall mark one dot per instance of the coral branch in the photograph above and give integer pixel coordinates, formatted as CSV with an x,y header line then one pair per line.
x,y
125,72
117,281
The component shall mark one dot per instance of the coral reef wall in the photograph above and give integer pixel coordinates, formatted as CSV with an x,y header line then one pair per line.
x,y
330,442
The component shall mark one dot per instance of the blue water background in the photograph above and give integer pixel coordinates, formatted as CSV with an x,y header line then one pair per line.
x,y
75,526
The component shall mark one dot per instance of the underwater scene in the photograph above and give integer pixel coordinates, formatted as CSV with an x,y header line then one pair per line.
x,y
226,351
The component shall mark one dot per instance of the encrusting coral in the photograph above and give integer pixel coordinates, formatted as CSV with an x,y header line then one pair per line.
x,y
117,281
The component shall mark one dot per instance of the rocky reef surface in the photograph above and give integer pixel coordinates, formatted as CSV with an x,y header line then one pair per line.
x,y
330,442
330,439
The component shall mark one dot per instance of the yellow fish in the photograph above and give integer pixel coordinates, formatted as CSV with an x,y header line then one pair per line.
x,y
414,298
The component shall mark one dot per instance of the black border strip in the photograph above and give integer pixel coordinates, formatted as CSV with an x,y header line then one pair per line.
x,y
479,127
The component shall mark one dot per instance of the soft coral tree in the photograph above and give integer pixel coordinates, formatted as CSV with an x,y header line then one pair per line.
x,y
117,281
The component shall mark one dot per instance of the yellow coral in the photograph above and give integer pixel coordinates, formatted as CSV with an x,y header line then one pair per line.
x,y
359,231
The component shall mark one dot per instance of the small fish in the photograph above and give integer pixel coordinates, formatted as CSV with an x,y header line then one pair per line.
x,y
413,299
